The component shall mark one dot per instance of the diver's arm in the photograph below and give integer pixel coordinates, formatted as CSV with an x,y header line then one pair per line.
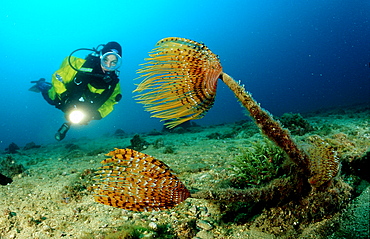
x,y
107,107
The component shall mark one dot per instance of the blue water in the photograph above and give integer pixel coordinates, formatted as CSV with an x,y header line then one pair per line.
x,y
293,56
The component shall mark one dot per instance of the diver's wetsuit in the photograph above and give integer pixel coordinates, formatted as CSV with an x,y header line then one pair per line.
x,y
78,92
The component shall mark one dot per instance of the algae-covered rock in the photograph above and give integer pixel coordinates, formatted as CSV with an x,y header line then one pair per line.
x,y
354,221
138,143
12,149
4,180
296,123
31,145
9,167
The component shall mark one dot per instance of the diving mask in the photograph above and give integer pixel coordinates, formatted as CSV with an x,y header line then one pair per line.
x,y
110,61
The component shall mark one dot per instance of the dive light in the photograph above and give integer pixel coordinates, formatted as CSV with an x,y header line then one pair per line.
x,y
76,116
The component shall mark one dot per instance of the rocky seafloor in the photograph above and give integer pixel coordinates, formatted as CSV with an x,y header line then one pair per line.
x,y
50,197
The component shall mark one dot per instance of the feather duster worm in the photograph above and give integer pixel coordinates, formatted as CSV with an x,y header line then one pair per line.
x,y
180,80
137,182
325,163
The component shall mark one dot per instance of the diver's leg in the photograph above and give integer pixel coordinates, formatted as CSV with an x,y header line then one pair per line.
x,y
43,87
47,98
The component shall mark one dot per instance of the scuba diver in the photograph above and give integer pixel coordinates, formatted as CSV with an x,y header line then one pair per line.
x,y
84,89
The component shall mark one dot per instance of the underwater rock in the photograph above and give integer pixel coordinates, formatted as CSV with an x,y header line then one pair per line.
x,y
4,180
179,130
159,143
187,126
72,147
359,166
205,235
138,143
9,167
153,225
12,149
73,152
355,219
204,225
119,133
296,123
169,150
31,145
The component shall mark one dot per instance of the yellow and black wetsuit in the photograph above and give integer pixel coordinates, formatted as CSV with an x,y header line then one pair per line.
x,y
89,88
